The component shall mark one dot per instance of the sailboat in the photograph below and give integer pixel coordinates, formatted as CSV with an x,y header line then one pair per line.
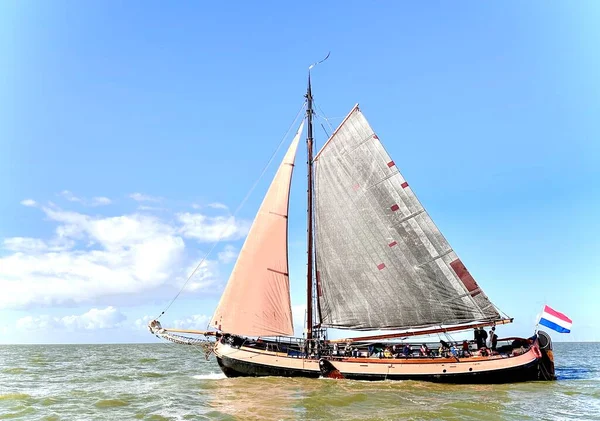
x,y
376,262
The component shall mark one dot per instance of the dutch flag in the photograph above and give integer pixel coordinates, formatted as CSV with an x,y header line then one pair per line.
x,y
555,320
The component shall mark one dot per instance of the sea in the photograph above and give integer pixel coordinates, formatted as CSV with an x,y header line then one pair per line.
x,y
175,382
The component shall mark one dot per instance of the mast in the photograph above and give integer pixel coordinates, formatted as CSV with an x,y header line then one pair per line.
x,y
309,274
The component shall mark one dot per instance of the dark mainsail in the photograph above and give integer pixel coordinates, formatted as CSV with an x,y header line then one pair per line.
x,y
382,262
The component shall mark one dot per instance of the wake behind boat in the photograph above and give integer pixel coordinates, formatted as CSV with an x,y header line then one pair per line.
x,y
376,261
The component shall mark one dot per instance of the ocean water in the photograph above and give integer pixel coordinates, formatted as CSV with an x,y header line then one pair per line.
x,y
174,382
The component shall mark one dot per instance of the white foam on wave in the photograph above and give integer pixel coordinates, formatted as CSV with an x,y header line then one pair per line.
x,y
210,376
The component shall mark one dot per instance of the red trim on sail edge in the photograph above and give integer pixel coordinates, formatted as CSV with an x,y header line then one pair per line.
x,y
465,277
391,164
375,137
381,266
392,244
404,185
356,186
395,207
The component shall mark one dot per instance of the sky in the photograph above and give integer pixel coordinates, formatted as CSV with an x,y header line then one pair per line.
x,y
130,132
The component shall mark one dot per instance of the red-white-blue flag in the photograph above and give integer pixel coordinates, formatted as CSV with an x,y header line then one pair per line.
x,y
555,320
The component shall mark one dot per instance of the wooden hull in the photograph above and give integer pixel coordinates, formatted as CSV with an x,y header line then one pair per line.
x,y
531,365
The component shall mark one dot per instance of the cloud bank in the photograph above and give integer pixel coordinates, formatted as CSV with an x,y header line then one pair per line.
x,y
99,258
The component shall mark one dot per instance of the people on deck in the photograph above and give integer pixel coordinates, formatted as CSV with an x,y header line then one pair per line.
x,y
444,348
407,350
477,337
454,351
347,349
465,349
424,351
493,339
483,335
387,352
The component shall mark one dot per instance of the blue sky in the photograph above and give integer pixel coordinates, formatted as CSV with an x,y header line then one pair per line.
x,y
130,131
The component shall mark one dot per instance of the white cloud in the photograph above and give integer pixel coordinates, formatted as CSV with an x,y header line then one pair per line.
x,y
210,229
70,196
201,275
96,258
35,245
96,201
150,208
100,201
228,255
28,202
142,323
195,322
140,197
35,323
217,205
24,244
106,318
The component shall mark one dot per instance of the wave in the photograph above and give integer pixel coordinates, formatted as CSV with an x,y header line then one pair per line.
x,y
15,397
110,403
150,374
210,376
14,370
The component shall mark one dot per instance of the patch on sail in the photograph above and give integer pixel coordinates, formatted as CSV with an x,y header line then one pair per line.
x,y
466,278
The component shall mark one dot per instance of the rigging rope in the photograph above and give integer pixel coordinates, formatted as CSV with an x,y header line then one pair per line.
x,y
240,206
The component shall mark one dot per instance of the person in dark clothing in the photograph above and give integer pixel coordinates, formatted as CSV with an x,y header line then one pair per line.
x,y
478,338
483,335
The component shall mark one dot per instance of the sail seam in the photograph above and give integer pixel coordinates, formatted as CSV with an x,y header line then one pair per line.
x,y
358,145
436,258
387,177
278,271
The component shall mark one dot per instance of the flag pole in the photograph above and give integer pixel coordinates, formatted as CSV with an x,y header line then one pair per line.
x,y
539,317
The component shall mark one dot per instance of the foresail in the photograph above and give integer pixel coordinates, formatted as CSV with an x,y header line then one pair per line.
x,y
382,263
256,300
